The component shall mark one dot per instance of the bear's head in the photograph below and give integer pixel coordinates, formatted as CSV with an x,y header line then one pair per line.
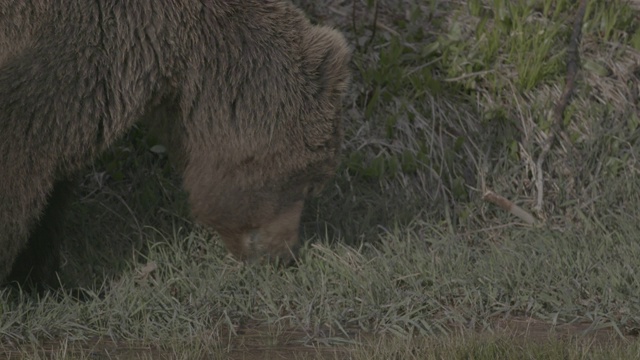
x,y
266,168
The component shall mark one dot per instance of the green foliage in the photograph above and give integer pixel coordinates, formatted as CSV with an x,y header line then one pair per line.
x,y
611,23
635,39
503,37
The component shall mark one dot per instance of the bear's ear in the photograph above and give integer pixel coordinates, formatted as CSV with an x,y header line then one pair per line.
x,y
326,60
327,57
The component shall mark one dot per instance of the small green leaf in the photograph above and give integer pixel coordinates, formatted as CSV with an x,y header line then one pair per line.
x,y
595,67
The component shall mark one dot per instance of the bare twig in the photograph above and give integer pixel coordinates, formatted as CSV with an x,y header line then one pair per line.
x,y
388,29
509,206
353,17
374,26
378,24
573,60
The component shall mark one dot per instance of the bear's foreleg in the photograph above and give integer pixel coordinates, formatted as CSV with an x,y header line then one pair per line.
x,y
37,263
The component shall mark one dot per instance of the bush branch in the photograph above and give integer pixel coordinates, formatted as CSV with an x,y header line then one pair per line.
x,y
573,61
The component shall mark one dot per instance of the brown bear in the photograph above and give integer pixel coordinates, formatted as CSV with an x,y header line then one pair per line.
x,y
249,91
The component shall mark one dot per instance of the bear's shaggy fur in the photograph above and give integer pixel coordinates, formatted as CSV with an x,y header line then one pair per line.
x,y
249,90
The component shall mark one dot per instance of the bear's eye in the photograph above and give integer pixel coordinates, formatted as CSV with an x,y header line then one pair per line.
x,y
309,189
313,189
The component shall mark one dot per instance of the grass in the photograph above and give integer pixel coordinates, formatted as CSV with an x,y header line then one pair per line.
x,y
403,257
414,282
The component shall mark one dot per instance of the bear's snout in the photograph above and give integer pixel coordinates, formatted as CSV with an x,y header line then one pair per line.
x,y
275,238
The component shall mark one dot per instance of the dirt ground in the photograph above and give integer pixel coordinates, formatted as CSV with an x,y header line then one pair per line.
x,y
258,343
